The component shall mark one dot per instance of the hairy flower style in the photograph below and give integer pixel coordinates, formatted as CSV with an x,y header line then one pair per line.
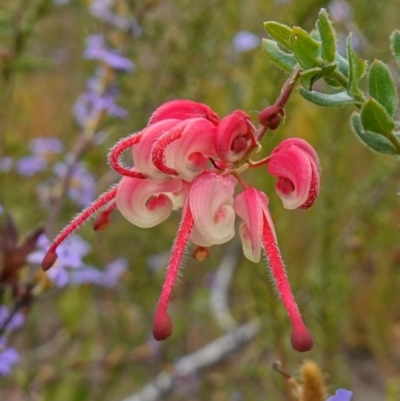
x,y
187,159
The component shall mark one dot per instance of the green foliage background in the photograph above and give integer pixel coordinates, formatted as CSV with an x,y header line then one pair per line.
x,y
342,255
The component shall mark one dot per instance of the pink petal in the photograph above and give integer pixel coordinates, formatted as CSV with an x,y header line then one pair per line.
x,y
302,144
183,109
294,169
189,155
232,139
141,153
147,203
248,208
211,199
251,205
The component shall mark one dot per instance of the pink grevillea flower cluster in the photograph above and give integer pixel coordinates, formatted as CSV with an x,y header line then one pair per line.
x,y
187,159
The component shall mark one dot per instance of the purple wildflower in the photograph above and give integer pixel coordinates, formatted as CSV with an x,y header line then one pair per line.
x,y
90,104
107,278
101,9
97,50
16,322
157,261
8,358
6,164
70,255
244,41
340,10
70,268
82,185
30,165
341,395
41,148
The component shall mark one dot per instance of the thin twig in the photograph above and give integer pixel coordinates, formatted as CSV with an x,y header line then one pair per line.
x,y
219,294
208,355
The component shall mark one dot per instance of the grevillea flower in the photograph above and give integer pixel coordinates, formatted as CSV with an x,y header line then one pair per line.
x,y
187,159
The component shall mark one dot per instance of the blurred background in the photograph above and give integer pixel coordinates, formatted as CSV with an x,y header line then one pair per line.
x,y
91,340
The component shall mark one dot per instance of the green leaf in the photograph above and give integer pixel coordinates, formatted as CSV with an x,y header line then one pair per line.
x,y
322,99
328,38
281,33
395,44
357,67
310,76
382,86
283,60
375,118
343,65
315,35
374,141
305,48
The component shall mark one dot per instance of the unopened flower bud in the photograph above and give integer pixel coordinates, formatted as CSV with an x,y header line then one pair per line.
x,y
271,117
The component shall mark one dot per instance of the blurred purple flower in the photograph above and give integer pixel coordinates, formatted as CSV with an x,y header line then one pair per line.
x,y
157,261
97,50
30,165
244,41
42,146
70,254
8,358
90,104
107,278
341,395
82,185
101,9
16,322
340,10
70,268
6,164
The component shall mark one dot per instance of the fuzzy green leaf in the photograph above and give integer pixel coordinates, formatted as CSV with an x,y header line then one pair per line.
x,y
281,33
283,60
357,67
328,38
305,48
322,99
343,65
375,118
395,44
382,86
374,141
310,76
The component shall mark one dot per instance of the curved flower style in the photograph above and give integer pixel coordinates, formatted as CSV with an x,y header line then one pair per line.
x,y
186,158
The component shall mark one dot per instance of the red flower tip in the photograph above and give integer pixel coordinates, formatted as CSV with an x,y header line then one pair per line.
x,y
271,117
162,325
49,259
301,338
